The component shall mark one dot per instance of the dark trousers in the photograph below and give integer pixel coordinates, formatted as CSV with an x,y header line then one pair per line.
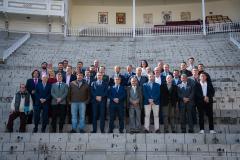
x,y
98,108
116,109
12,117
29,117
206,108
36,114
68,112
186,116
58,111
89,112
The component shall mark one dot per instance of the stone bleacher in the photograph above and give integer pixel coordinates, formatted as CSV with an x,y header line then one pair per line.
x,y
221,58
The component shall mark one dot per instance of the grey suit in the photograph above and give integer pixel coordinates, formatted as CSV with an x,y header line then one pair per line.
x,y
186,108
134,119
59,92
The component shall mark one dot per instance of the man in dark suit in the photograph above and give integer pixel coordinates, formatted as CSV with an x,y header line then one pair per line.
x,y
129,74
151,94
88,79
141,79
117,96
184,69
186,101
31,88
201,69
205,94
134,105
99,91
79,68
169,99
42,97
105,77
159,78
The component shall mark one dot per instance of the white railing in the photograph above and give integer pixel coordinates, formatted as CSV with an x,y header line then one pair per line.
x,y
107,31
235,38
35,7
15,46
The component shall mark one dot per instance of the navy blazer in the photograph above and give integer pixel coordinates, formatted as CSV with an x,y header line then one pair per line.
x,y
153,93
44,93
142,80
72,78
99,90
179,81
30,86
186,93
120,94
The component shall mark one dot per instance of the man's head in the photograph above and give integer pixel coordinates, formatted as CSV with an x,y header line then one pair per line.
x,y
22,88
44,78
138,71
87,73
96,63
65,63
184,78
160,64
79,64
59,77
203,77
200,67
35,74
134,81
99,76
151,77
166,67
79,76
69,69
169,79
183,66
102,69
60,66
44,65
191,60
117,80
157,71
92,68
195,72
148,69
129,68
117,69
176,73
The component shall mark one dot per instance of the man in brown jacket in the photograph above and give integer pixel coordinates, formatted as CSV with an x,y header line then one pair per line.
x,y
79,95
134,104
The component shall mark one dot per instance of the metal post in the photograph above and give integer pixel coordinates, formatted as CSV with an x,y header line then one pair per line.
x,y
134,18
204,18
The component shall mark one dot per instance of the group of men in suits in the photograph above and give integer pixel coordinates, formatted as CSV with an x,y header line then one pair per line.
x,y
159,94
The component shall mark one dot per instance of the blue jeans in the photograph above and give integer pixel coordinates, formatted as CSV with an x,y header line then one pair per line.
x,y
78,108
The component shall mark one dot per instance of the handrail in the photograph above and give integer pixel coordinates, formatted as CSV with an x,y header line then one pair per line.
x,y
235,38
15,46
109,31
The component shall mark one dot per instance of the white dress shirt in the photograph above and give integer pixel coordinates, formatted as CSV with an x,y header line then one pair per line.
x,y
68,77
204,88
158,80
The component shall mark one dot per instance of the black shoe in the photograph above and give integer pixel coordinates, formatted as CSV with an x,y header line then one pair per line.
x,y
43,130
183,131
110,131
120,131
166,131
190,131
93,132
146,131
73,131
60,131
157,131
82,131
35,130
9,130
173,131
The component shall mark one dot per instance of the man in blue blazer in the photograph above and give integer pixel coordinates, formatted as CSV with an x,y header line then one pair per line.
x,y
129,74
151,94
117,96
99,91
31,88
117,73
42,97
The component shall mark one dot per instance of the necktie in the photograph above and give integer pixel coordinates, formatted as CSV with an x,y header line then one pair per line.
x,y
59,85
117,88
35,81
151,85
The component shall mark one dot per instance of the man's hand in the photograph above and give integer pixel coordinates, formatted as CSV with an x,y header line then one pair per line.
x,y
186,100
99,98
59,100
116,100
33,91
42,100
206,99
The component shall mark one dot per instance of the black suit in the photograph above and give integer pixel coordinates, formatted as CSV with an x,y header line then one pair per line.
x,y
168,96
111,82
31,86
203,106
187,72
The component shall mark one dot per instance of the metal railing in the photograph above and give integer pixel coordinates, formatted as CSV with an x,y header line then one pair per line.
x,y
15,46
235,38
107,31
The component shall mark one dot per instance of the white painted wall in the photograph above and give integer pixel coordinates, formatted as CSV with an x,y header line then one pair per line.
x,y
88,15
